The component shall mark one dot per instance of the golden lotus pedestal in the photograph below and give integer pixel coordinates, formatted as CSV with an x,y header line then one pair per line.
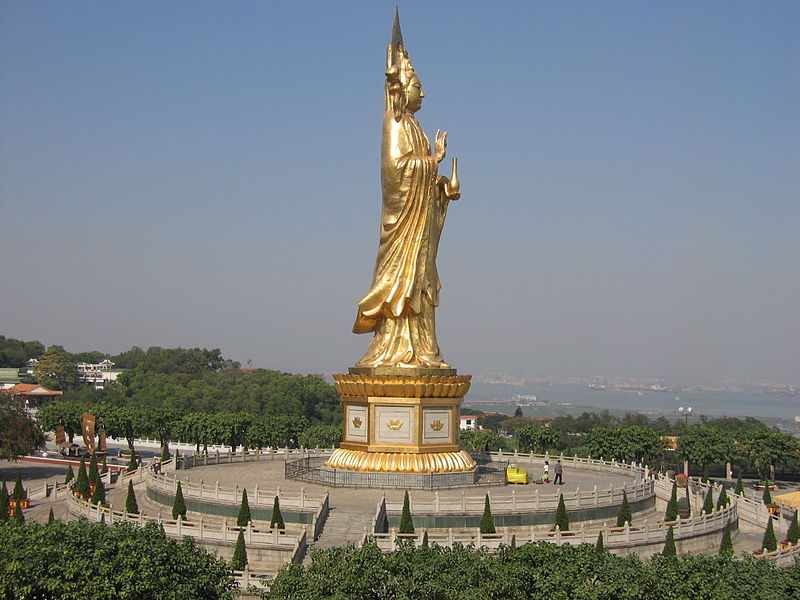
x,y
402,421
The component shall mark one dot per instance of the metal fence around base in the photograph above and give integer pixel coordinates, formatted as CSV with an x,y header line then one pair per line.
x,y
312,470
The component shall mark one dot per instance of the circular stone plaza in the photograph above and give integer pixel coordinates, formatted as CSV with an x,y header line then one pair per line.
x,y
324,515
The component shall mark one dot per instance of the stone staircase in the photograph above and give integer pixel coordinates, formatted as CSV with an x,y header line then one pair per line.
x,y
342,527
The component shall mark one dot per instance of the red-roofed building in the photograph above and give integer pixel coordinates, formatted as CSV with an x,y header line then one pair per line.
x,y
32,396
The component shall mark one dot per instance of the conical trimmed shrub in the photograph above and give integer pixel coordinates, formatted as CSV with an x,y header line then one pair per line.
x,y
766,497
739,486
70,475
179,504
769,541
487,522
793,534
94,472
599,543
99,493
708,502
244,511
406,521
19,492
165,452
672,505
82,481
562,520
625,515
18,516
726,545
704,478
513,542
425,539
51,517
723,500
239,560
276,522
4,502
669,545
131,506
104,468
133,464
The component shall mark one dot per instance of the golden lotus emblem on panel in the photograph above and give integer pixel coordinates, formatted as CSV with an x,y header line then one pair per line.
x,y
357,422
394,424
437,425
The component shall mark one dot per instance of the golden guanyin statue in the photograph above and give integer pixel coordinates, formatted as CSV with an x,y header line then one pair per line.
x,y
399,307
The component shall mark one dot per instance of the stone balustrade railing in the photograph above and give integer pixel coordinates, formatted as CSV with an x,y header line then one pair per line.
x,y
213,533
257,497
613,537
535,502
635,470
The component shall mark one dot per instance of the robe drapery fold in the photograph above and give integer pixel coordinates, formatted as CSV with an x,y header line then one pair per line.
x,y
399,306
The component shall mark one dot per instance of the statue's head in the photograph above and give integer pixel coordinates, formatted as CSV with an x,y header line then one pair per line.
x,y
402,83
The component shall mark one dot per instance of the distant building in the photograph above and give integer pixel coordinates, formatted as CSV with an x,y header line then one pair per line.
x,y
469,422
97,374
31,396
9,377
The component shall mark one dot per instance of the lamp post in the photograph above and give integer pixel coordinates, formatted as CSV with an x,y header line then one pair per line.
x,y
685,412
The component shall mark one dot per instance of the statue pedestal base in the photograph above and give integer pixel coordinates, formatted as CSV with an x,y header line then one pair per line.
x,y
401,421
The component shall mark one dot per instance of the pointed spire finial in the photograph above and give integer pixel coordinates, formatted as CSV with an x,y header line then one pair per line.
x,y
397,35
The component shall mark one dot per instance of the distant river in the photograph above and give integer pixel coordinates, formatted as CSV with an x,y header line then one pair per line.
x,y
551,401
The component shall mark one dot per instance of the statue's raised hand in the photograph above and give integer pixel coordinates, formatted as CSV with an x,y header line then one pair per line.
x,y
440,144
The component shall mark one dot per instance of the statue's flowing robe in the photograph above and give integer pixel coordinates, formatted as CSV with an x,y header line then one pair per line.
x,y
399,307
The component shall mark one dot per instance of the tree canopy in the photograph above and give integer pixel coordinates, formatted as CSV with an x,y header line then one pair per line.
x,y
125,562
19,434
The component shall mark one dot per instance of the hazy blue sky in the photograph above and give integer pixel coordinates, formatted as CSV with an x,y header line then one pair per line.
x,y
206,174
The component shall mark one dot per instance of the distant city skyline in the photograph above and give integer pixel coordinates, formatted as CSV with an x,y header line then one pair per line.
x,y
206,175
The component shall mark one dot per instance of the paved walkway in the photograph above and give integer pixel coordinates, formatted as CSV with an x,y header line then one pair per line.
x,y
350,509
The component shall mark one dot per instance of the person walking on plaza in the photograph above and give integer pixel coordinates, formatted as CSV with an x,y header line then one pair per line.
x,y
546,474
558,470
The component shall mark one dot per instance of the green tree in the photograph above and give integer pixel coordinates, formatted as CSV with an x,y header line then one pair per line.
x,y
239,560
625,515
70,475
67,413
179,504
487,522
94,472
726,545
479,441
244,516
321,436
3,501
670,551
708,502
406,521
599,543
739,486
672,505
17,353
793,534
769,541
131,506
18,517
126,562
768,448
537,438
626,443
99,493
723,500
705,445
276,521
18,493
19,434
56,369
133,464
82,481
51,517
766,497
562,520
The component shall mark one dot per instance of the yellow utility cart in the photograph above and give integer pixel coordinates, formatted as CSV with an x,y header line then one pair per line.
x,y
516,475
